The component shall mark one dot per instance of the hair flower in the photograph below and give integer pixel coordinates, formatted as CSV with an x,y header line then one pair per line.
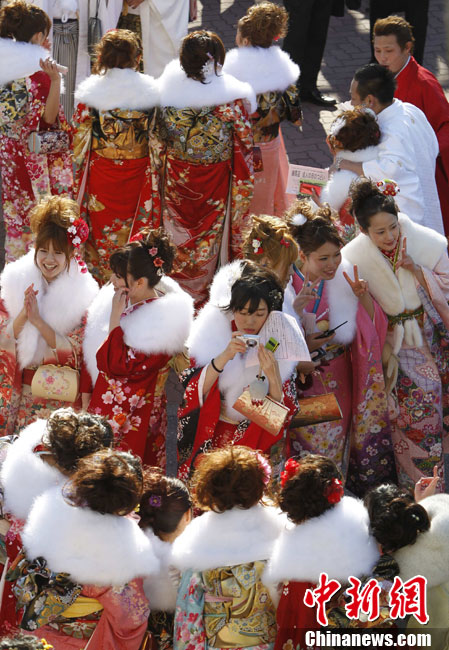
x,y
155,500
334,491
78,232
152,251
299,219
284,242
388,187
290,469
158,262
137,237
265,466
257,245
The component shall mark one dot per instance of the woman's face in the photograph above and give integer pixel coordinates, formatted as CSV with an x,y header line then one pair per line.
x,y
324,262
118,282
50,261
384,230
251,323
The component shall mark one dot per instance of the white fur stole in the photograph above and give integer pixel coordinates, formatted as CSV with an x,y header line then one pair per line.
x,y
336,190
97,328
92,548
24,475
18,60
125,88
343,304
62,303
337,543
179,91
265,69
160,589
225,539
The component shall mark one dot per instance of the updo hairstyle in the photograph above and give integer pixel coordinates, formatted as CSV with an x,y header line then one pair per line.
x,y
197,48
263,23
395,518
254,286
359,130
276,242
367,200
21,21
318,230
304,494
71,436
151,256
232,477
165,500
49,221
108,482
119,48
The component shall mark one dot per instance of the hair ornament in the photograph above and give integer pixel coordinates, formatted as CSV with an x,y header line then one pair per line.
x,y
388,187
276,298
137,237
334,491
285,243
45,645
152,251
336,126
208,69
299,219
155,500
276,38
290,469
77,232
368,111
414,516
257,245
158,263
265,466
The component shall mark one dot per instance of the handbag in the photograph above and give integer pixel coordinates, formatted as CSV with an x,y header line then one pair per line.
x,y
45,142
316,409
56,382
268,414
94,31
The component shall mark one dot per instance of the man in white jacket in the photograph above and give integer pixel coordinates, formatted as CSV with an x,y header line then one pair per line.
x,y
408,148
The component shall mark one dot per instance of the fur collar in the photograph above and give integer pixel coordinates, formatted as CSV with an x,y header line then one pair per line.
x,y
160,589
24,475
111,550
220,289
163,325
265,69
125,89
429,555
338,543
343,304
225,539
336,190
181,92
97,328
397,292
62,303
18,60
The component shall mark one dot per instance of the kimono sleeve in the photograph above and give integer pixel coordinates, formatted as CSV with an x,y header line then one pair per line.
x,y
189,622
116,359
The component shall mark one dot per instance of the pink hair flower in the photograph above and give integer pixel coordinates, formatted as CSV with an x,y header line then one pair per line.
x,y
153,252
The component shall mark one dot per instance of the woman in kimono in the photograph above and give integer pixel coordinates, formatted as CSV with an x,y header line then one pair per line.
x,y
132,336
407,268
206,162
45,296
29,102
70,591
272,74
222,601
222,366
351,366
111,148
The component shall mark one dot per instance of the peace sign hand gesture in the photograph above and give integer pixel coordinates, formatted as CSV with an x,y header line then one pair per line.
x,y
359,287
405,261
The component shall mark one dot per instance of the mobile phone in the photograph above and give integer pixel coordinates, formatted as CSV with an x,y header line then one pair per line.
x,y
330,332
272,344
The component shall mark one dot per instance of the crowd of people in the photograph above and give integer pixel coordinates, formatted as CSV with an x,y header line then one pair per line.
x,y
151,233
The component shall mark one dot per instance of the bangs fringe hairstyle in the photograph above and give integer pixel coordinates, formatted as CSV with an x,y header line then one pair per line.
x,y
360,131
118,262
395,26
303,495
119,48
49,221
319,229
256,284
151,253
108,482
395,518
228,478
20,21
263,23
367,200
165,500
71,436
197,48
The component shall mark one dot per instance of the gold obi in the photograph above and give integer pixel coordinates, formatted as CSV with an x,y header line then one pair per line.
x,y
83,606
121,135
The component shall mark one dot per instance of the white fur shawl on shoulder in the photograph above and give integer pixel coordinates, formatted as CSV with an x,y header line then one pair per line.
x,y
337,543
336,190
93,548
120,89
18,60
24,476
265,69
62,303
160,589
225,539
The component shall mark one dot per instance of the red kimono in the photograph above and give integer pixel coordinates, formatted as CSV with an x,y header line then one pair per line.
x,y
420,87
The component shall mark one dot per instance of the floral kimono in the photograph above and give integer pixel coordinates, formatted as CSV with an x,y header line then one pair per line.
x,y
62,304
416,353
226,606
206,175
111,150
128,367
273,76
26,177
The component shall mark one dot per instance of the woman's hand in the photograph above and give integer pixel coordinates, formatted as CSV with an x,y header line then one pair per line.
x,y
51,68
308,292
427,486
270,368
234,346
405,261
314,341
359,287
22,316
32,308
119,302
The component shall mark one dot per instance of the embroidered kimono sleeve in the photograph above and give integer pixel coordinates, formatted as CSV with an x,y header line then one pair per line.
x,y
189,621
116,359
437,281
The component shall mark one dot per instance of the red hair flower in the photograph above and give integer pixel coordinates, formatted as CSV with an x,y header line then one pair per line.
x,y
290,469
388,187
334,491
158,262
77,232
285,243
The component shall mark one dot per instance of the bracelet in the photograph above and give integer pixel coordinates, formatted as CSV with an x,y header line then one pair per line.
x,y
338,164
215,367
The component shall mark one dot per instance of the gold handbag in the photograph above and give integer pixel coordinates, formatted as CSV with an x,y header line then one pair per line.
x,y
268,414
56,382
316,409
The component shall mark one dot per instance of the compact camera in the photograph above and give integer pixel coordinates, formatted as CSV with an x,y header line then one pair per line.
x,y
250,340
